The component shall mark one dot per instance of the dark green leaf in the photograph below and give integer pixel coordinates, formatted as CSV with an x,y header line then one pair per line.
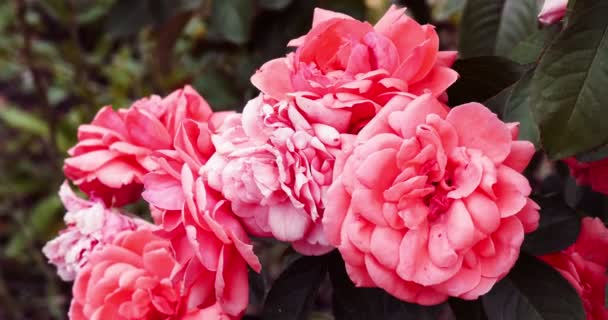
x,y
568,98
533,290
257,288
467,310
129,17
351,303
517,109
498,102
594,155
495,27
353,8
277,28
274,4
231,20
584,199
419,8
218,89
530,49
292,294
558,228
482,78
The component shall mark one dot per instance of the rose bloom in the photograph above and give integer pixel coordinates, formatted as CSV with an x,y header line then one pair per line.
x,y
90,226
553,11
131,279
584,265
344,70
209,242
274,167
112,153
594,174
431,202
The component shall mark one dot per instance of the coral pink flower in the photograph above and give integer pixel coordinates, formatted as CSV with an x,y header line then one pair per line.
x,y
584,265
132,279
431,202
594,174
209,242
112,153
344,70
90,226
553,11
274,167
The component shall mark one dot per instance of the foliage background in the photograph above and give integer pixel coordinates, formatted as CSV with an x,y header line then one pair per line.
x,y
62,60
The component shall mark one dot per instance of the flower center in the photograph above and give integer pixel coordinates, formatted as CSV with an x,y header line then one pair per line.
x,y
438,203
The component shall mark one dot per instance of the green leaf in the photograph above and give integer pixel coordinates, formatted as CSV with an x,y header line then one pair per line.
x,y
274,4
41,221
518,109
353,8
444,9
129,17
594,155
218,89
22,120
45,213
466,309
351,303
558,228
494,27
533,290
568,98
482,78
530,49
498,102
231,20
418,8
293,293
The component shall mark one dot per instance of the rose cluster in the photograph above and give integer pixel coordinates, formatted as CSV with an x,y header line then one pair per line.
x,y
349,146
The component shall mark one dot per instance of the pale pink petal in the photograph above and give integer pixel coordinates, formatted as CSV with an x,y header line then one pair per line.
x,y
491,136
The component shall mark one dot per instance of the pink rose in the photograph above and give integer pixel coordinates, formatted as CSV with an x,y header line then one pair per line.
x,y
274,167
553,11
344,70
584,265
90,226
209,242
112,153
132,279
431,203
593,173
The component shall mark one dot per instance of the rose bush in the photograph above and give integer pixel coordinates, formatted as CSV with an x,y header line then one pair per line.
x,y
355,144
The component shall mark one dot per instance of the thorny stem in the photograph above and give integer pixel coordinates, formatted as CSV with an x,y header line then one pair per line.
x,y
39,83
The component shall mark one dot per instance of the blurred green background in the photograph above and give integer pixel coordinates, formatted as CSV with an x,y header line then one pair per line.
x,y
62,60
